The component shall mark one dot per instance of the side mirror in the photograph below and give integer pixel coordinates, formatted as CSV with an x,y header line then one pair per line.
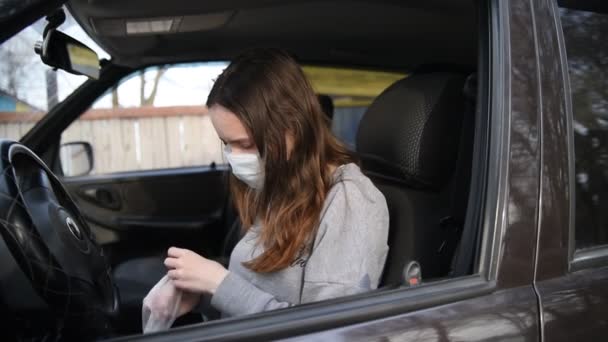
x,y
76,158
61,51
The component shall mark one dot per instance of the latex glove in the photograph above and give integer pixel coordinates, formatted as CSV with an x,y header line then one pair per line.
x,y
160,306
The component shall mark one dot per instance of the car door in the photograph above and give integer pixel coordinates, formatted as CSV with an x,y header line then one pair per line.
x,y
498,301
507,307
572,271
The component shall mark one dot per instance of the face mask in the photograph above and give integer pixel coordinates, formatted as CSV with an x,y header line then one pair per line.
x,y
247,167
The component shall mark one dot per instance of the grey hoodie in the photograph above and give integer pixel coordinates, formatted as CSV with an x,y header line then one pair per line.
x,y
347,256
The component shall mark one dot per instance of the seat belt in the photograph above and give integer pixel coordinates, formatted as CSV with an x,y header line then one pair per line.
x,y
453,224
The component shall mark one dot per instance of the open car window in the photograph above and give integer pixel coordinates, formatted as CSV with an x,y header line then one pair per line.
x,y
156,118
153,119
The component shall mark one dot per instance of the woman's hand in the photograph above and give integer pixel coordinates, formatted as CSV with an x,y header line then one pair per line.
x,y
192,272
189,301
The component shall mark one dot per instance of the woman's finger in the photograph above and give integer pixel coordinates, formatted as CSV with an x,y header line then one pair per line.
x,y
174,274
171,274
183,285
172,262
175,252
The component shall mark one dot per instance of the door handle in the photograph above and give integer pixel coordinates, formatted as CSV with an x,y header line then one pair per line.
x,y
102,196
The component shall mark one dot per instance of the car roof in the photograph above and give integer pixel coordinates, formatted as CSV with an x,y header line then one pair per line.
x,y
387,34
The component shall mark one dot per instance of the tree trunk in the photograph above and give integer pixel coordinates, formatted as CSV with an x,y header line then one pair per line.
x,y
115,100
142,88
149,101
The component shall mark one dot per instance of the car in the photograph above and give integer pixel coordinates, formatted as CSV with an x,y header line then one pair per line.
x,y
483,123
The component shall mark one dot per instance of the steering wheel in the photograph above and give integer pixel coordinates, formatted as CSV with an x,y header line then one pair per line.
x,y
48,249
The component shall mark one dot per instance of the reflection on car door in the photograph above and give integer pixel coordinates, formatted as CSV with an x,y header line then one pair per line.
x,y
572,271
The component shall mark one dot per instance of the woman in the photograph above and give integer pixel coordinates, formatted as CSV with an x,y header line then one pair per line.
x,y
317,228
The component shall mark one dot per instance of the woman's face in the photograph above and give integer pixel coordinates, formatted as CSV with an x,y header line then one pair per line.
x,y
231,130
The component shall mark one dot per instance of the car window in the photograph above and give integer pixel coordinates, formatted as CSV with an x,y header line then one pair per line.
x,y
28,87
153,119
587,54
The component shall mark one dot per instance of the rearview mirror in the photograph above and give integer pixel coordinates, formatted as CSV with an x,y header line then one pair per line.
x,y
76,158
64,52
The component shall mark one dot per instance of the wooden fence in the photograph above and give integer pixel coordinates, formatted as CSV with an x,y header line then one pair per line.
x,y
14,125
128,139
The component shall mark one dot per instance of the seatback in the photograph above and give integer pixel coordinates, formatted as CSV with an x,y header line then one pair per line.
x,y
408,142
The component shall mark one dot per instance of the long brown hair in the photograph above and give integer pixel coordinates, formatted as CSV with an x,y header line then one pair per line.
x,y
267,90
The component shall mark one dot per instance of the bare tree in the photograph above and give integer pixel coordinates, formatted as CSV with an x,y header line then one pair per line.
x,y
22,74
149,100
13,67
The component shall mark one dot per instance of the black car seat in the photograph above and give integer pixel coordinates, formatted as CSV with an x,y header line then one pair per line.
x,y
409,141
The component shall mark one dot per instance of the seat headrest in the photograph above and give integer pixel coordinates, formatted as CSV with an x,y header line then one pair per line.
x,y
327,104
410,133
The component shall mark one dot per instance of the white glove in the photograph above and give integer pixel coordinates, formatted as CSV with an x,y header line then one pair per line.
x,y
160,307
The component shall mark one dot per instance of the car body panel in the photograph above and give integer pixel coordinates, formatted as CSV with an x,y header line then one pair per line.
x,y
556,213
501,315
575,306
571,286
522,110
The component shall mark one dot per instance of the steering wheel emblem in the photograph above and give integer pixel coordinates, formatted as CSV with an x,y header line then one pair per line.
x,y
73,227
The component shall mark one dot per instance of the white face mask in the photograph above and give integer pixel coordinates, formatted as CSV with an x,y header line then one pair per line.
x,y
247,167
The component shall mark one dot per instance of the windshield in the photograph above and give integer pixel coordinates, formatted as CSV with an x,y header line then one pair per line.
x,y
28,87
